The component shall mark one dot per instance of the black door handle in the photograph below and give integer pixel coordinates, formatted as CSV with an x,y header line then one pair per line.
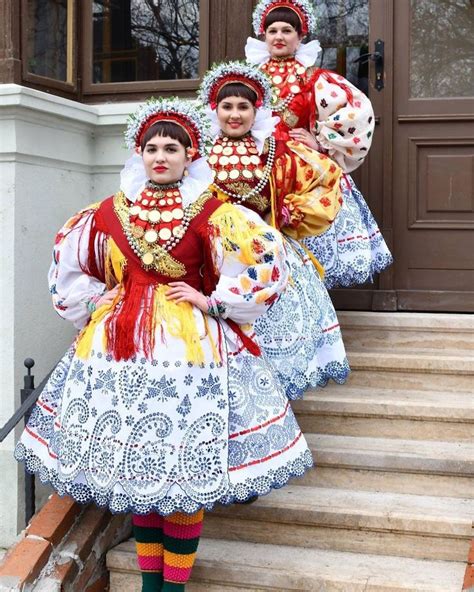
x,y
378,58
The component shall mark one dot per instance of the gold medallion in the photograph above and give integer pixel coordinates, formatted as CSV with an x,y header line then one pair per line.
x,y
137,231
157,194
178,214
147,258
259,173
162,202
277,79
143,215
247,174
234,159
222,175
234,174
224,160
135,210
241,150
227,151
255,159
151,236
253,150
217,149
153,202
170,201
178,231
213,159
149,193
154,216
245,160
295,89
165,234
166,216
145,202
178,200
301,70
291,78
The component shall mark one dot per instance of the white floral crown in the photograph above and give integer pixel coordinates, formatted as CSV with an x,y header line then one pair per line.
x,y
234,72
303,8
188,115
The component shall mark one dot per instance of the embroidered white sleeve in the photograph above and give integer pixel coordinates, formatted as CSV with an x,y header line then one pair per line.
x,y
70,287
243,291
345,130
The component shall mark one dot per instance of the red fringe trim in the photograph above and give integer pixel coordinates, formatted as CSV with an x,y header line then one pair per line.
x,y
130,327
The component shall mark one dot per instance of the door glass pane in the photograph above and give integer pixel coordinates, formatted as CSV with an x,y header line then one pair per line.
x,y
48,38
145,40
442,48
343,31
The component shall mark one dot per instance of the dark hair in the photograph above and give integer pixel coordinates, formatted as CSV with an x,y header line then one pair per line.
x,y
166,129
284,15
237,89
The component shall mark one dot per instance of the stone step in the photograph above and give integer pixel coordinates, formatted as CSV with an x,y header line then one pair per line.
x,y
233,566
422,527
386,464
406,380
413,361
423,331
393,413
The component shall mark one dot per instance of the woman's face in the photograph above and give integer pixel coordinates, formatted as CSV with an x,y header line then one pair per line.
x,y
236,116
282,39
165,160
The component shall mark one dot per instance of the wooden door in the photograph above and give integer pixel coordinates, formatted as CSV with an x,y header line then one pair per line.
x,y
433,155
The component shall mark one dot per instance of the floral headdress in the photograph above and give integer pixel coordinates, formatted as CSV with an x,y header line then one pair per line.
x,y
189,116
231,72
304,9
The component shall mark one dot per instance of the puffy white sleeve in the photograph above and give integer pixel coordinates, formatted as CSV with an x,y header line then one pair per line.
x,y
70,287
250,259
344,128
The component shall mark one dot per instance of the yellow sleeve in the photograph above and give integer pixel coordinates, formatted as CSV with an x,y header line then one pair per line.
x,y
315,197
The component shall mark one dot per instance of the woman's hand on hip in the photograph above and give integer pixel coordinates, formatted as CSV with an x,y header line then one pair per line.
x,y
183,292
299,134
108,297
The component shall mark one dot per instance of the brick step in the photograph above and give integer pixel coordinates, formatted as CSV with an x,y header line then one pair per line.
x,y
233,566
394,413
386,464
421,331
422,527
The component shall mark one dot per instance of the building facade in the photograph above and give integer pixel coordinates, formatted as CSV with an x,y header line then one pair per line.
x,y
71,71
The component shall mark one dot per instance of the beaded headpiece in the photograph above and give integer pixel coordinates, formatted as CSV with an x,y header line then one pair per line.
x,y
304,9
188,115
231,72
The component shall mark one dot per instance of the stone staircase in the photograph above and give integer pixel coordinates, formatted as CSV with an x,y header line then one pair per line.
x,y
389,506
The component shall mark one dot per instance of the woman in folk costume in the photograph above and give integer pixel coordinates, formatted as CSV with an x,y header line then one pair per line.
x,y
164,405
326,112
300,334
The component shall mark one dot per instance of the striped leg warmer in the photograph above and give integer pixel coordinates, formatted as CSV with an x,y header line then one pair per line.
x,y
148,531
181,534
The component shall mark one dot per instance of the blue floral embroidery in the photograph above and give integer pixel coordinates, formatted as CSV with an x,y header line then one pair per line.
x,y
162,389
106,381
210,387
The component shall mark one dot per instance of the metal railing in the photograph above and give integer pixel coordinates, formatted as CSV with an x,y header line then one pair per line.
x,y
28,396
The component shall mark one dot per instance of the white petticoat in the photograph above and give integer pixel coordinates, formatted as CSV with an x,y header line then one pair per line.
x,y
164,435
353,249
300,334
